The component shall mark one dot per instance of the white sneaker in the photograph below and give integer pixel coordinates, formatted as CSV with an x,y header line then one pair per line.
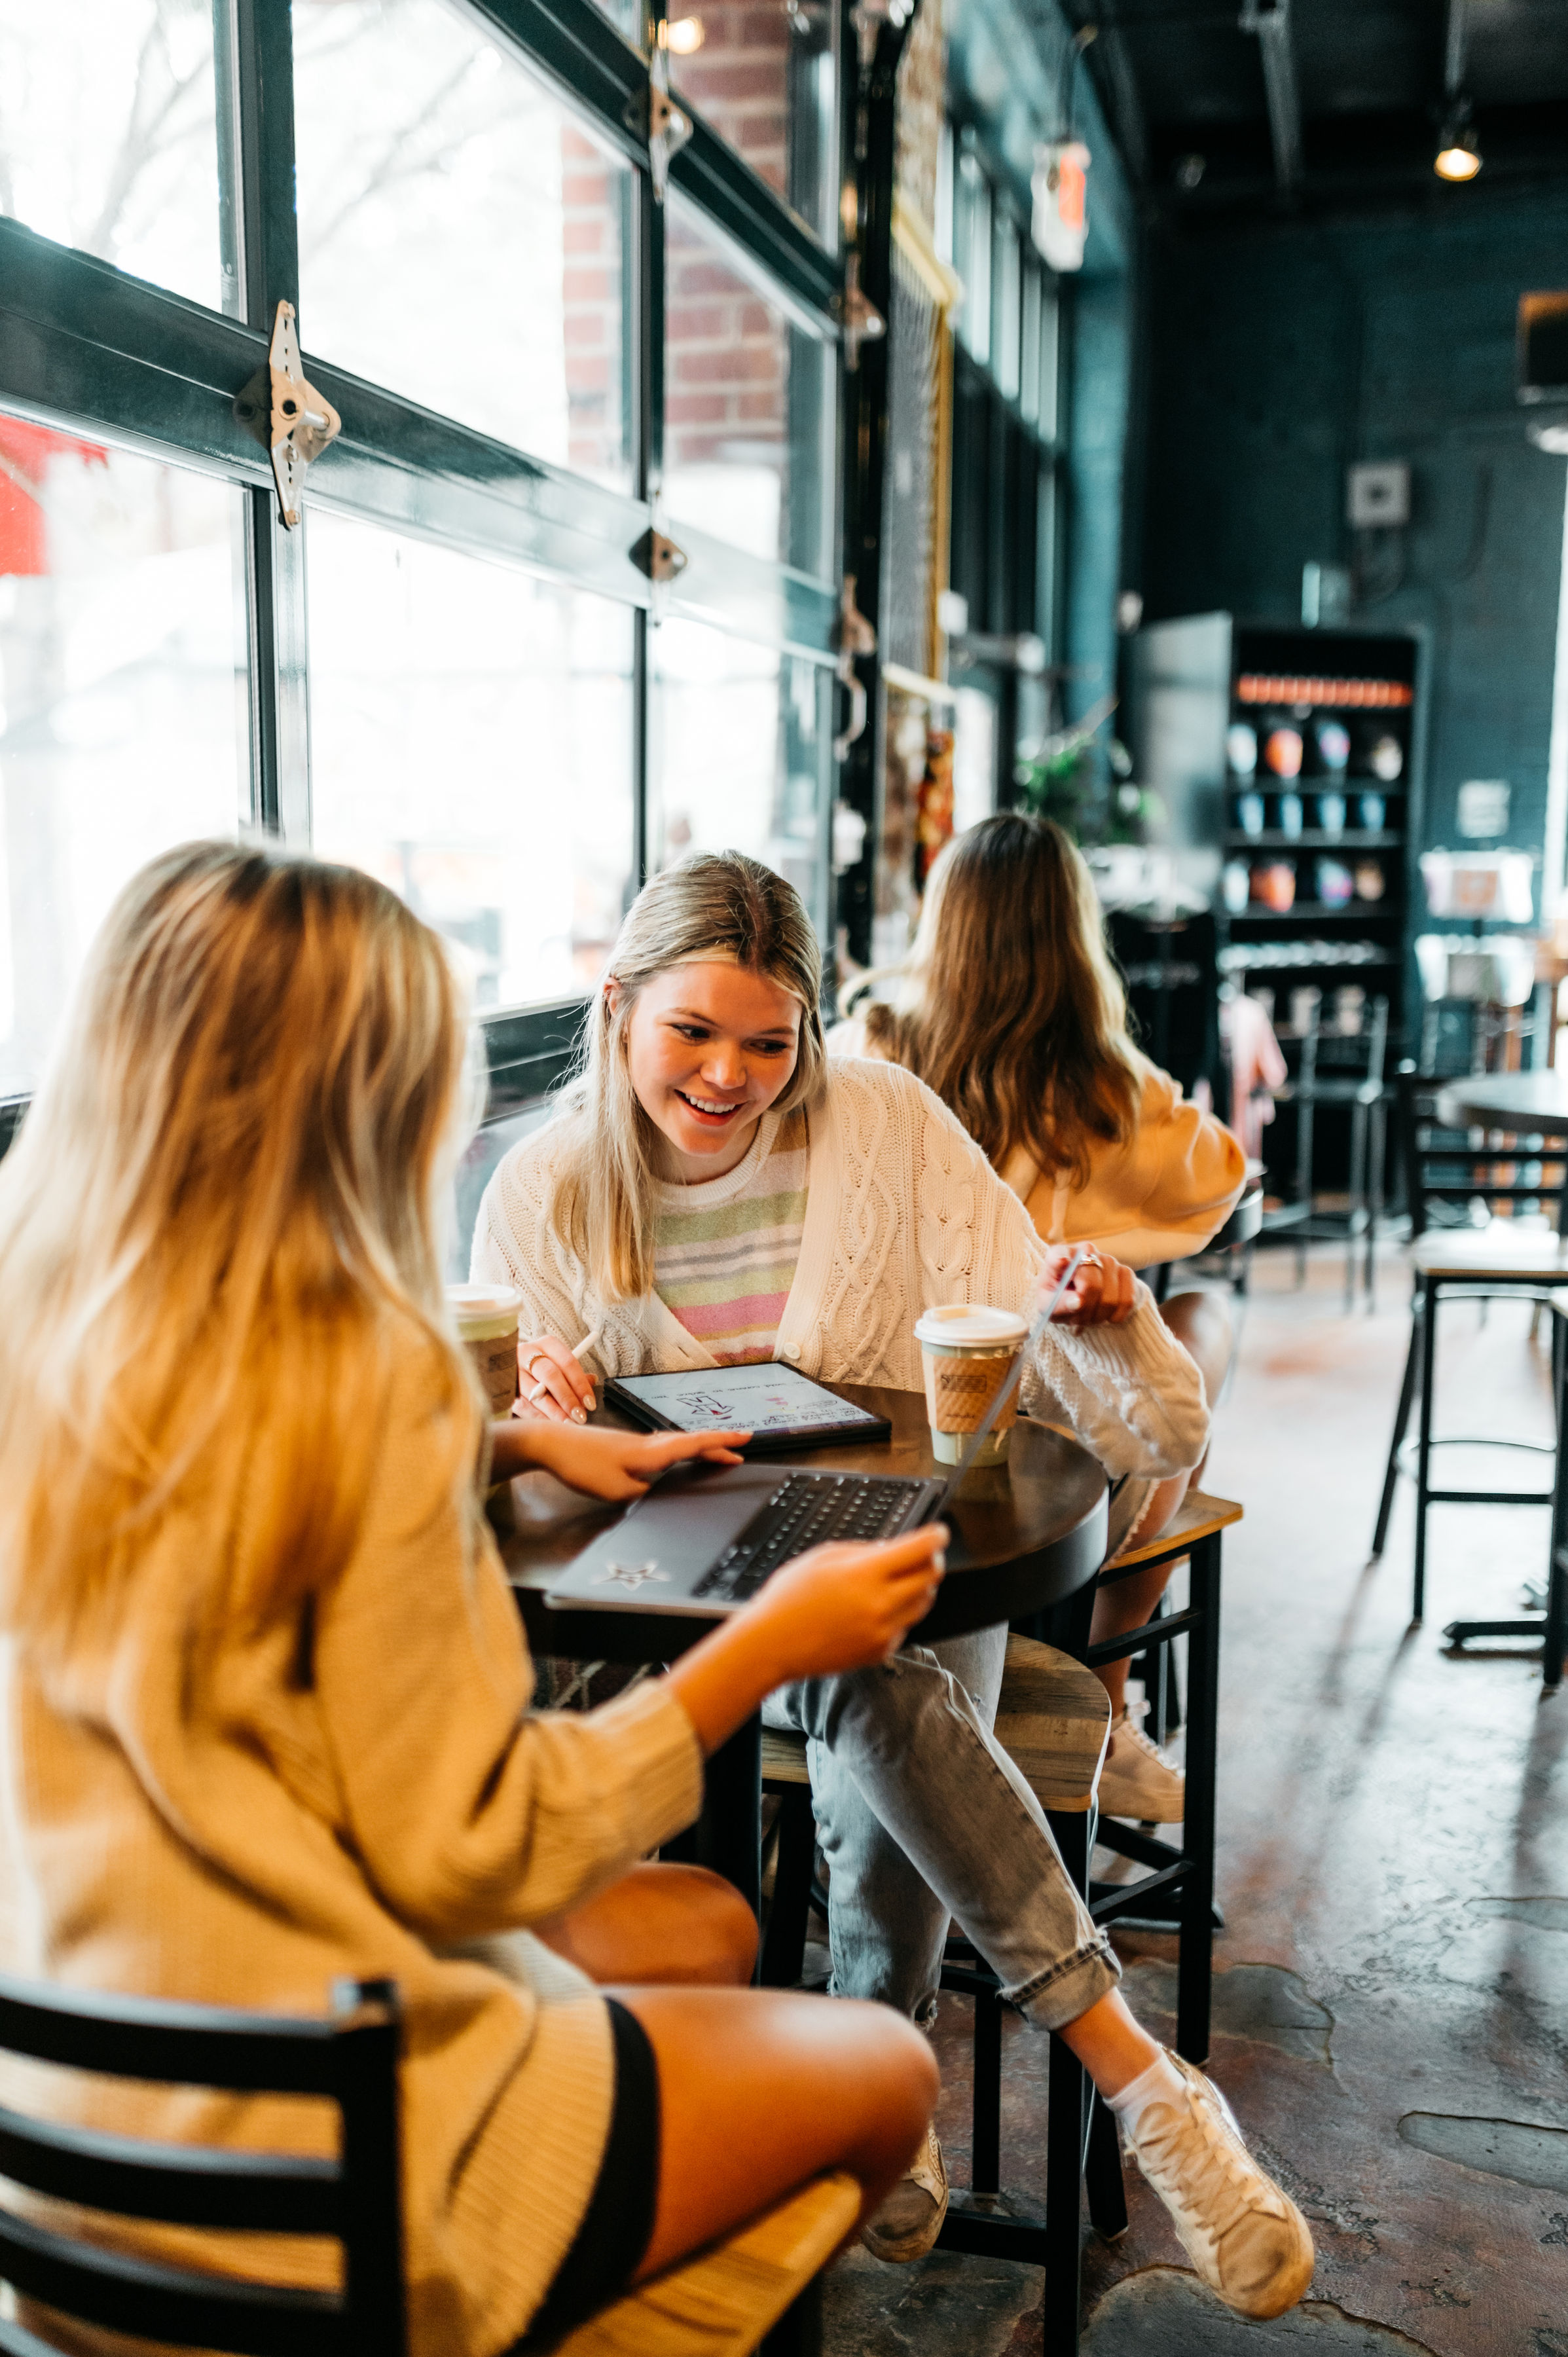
x,y
910,2218
1137,1780
1248,2240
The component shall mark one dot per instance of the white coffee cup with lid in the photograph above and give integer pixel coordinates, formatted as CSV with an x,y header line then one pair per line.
x,y
487,1319
966,1351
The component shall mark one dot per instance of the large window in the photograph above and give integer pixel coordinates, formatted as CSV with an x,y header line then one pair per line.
x,y
1007,472
459,671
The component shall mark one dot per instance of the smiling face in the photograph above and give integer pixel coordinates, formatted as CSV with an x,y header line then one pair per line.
x,y
709,1048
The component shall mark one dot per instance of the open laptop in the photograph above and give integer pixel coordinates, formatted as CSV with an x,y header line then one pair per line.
x,y
701,1542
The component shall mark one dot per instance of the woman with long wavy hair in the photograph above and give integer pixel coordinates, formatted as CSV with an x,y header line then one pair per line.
x,y
1010,1009
267,1704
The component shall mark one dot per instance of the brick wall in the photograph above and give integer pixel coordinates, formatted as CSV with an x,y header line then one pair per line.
x,y
739,80
593,195
922,98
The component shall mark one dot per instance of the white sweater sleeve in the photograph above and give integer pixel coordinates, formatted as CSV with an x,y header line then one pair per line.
x,y
513,1244
1131,1394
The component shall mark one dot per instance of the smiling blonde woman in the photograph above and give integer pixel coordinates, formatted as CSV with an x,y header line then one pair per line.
x,y
712,1191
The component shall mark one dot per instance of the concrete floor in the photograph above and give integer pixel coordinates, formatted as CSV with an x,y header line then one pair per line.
x,y
1392,2012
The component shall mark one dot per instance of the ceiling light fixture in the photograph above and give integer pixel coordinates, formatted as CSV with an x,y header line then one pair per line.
x,y
685,36
1458,156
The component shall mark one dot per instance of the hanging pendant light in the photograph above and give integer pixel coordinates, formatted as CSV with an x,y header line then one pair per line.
x,y
1458,156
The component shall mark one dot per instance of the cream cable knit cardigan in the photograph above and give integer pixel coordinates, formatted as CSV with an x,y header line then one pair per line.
x,y
903,1211
360,1788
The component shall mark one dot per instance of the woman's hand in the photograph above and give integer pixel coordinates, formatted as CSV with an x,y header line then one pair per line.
x,y
845,1605
1102,1292
614,1465
839,1607
551,1381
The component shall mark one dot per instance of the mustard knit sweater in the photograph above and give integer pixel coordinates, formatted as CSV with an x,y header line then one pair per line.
x,y
360,1789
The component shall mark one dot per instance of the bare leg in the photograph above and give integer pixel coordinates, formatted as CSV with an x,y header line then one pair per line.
x,y
661,1924
758,2089
761,2089
1110,2044
1201,1324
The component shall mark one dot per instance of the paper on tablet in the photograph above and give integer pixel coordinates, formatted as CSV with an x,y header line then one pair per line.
x,y
766,1397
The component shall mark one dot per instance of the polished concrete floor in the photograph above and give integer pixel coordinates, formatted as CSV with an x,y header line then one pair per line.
x,y
1392,2006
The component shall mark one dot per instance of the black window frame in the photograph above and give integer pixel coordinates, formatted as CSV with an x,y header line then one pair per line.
x,y
87,347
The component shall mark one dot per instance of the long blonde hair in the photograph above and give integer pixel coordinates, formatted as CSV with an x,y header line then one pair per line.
x,y
220,1215
1008,1005
717,905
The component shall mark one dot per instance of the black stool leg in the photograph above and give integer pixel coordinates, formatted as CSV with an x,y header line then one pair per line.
x,y
798,2331
1554,1636
1423,1446
1064,2197
1195,1953
784,1941
986,2149
1103,2171
1401,1423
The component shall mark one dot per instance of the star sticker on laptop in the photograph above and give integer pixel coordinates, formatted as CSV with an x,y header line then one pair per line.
x,y
631,1576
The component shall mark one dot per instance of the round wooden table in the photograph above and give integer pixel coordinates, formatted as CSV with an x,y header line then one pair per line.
x,y
1027,1536
1529,1101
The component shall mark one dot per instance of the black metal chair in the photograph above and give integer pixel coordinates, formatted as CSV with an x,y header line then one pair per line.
x,y
1340,1071
350,2059
758,2289
1447,1175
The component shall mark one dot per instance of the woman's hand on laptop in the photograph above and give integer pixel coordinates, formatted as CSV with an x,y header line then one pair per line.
x,y
1102,1292
613,1465
845,1605
838,1608
552,1381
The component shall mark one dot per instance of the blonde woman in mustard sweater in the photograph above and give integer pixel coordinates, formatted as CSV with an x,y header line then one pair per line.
x,y
712,1191
1010,1009
266,1699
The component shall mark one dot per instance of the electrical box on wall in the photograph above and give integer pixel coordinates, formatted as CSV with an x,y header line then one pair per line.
x,y
1378,494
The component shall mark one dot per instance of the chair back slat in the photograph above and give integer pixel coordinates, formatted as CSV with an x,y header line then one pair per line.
x,y
350,2058
185,2185
182,2045
155,2302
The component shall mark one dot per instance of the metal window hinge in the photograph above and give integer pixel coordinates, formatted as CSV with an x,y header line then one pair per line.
x,y
856,636
862,323
292,421
657,555
666,126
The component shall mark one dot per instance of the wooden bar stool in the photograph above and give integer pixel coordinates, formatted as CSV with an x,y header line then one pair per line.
x,y
1177,1893
1053,1720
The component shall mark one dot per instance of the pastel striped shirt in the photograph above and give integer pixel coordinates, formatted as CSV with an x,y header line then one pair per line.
x,y
725,1251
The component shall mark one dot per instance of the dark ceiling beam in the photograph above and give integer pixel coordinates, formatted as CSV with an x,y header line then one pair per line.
x,y
1270,19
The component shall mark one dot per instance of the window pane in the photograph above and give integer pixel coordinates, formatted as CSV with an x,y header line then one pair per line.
x,y
748,408
742,755
1005,306
470,738
108,137
461,239
972,251
122,711
764,75
1049,357
1029,350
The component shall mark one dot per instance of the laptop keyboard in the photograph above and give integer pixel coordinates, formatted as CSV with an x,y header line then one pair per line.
x,y
805,1510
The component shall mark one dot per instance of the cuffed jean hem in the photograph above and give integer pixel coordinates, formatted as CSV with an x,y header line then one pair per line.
x,y
1056,1997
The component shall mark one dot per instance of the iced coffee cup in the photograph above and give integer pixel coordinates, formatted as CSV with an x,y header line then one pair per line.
x,y
966,1353
487,1319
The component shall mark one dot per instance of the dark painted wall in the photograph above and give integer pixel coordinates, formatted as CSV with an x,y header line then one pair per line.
x,y
1278,355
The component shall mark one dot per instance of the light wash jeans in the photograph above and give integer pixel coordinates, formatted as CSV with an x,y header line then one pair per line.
x,y
921,1817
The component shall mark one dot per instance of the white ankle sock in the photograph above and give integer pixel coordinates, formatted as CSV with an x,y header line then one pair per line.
x,y
1160,2083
